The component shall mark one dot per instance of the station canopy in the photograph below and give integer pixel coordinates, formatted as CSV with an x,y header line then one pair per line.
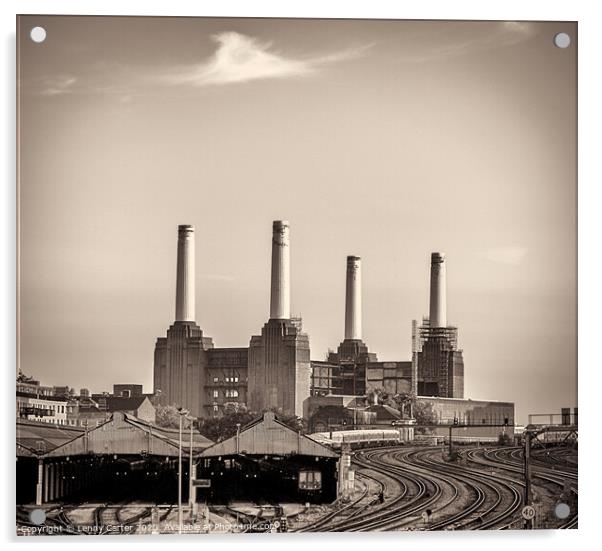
x,y
124,434
268,436
35,438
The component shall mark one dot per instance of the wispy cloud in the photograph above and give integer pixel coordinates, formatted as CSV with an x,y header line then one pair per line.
x,y
513,255
241,58
58,85
237,58
502,34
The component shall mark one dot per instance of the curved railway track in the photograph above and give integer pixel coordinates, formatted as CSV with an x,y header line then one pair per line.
x,y
409,494
498,500
484,493
423,485
481,491
353,508
511,459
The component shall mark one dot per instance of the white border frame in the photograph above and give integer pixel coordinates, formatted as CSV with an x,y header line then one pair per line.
x,y
590,228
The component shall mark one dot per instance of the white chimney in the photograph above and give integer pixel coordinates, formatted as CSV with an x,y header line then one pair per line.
x,y
438,310
353,299
280,300
185,299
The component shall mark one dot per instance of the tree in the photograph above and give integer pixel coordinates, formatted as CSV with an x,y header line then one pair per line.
x,y
290,420
378,396
406,403
167,416
421,410
22,378
235,416
221,428
424,415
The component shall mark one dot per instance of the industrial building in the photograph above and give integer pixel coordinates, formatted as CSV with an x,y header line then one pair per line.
x,y
273,372
353,370
436,368
124,457
435,373
268,461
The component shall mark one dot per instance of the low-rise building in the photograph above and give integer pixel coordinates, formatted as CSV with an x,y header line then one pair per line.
x,y
39,403
138,406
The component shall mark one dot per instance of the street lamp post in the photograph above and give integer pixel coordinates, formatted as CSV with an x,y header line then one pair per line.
x,y
191,498
182,413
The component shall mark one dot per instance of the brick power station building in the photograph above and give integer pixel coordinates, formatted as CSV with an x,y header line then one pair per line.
x,y
275,370
272,372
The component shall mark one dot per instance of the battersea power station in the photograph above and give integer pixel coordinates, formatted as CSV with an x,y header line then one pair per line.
x,y
275,371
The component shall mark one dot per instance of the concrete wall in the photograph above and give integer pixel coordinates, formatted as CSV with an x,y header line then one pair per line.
x,y
279,368
179,368
472,412
393,377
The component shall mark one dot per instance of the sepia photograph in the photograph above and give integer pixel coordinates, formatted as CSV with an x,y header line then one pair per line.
x,y
295,275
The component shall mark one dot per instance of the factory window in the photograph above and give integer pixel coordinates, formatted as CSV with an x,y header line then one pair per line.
x,y
216,393
216,379
215,407
231,393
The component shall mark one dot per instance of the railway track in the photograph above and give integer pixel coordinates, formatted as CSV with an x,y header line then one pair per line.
x,y
409,495
497,504
415,494
512,459
481,491
395,485
484,493
111,519
351,509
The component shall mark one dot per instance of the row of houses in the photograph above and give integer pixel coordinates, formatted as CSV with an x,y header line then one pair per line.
x,y
62,406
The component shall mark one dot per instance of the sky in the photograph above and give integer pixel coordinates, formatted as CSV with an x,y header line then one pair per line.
x,y
382,139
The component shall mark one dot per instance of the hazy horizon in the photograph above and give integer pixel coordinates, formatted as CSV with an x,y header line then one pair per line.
x,y
383,139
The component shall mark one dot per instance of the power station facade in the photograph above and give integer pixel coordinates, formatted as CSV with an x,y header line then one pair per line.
x,y
279,366
436,368
275,371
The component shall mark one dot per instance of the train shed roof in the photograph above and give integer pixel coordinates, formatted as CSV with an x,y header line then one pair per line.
x,y
125,434
35,438
268,436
